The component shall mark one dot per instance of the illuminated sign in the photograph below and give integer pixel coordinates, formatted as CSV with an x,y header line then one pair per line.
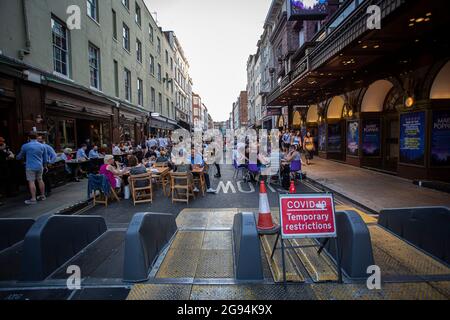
x,y
307,9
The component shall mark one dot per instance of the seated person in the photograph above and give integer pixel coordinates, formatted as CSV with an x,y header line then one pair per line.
x,y
162,157
94,154
197,162
116,150
136,169
112,173
67,156
292,155
151,153
81,153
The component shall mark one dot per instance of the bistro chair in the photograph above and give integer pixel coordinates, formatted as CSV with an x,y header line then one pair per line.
x,y
163,180
141,188
237,169
101,197
182,187
296,167
200,182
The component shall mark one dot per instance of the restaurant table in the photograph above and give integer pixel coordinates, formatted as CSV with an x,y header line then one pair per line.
x,y
161,175
75,166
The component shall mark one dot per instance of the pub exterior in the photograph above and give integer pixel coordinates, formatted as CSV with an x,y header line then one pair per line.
x,y
376,98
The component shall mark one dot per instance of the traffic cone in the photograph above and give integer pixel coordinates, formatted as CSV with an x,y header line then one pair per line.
x,y
292,189
265,222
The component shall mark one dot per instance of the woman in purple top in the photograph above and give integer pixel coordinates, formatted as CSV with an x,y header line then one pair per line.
x,y
111,173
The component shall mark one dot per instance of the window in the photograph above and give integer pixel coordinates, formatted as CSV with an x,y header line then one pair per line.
x,y
159,73
167,81
160,103
138,50
94,66
171,64
168,106
152,65
158,45
126,4
140,91
127,82
137,16
92,9
151,33
153,98
126,37
167,57
116,77
114,22
60,47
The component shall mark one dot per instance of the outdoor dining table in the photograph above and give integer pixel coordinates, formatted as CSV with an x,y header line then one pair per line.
x,y
75,165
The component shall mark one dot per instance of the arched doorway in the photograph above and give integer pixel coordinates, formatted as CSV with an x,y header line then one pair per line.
x,y
312,124
296,120
439,160
335,129
441,84
280,122
380,126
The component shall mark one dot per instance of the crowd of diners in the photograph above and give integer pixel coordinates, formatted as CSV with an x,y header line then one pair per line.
x,y
124,159
127,159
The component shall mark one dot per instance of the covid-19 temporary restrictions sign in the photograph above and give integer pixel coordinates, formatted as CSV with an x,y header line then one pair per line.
x,y
307,216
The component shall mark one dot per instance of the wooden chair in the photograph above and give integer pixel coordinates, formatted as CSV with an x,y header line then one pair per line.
x,y
101,198
163,180
182,187
200,182
141,194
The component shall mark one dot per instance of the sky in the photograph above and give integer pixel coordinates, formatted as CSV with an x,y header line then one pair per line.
x,y
217,38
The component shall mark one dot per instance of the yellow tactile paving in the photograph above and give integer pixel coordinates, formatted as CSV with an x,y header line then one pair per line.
x,y
275,264
367,218
319,267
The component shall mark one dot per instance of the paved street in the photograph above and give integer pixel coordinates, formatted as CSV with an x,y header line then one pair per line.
x,y
61,198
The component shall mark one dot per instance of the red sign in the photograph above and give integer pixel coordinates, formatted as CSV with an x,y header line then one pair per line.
x,y
307,216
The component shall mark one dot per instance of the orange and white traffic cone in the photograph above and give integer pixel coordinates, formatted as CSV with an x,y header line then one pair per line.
x,y
265,222
292,189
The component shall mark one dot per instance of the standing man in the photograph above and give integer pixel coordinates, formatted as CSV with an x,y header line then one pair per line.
x,y
36,158
51,157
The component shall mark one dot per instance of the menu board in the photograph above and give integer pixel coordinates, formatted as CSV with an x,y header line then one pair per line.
x,y
353,138
334,138
412,138
371,138
440,139
323,137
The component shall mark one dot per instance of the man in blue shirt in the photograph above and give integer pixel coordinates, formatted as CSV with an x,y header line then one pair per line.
x,y
81,153
51,157
36,158
93,154
197,161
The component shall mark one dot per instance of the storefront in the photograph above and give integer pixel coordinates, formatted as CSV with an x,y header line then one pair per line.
x,y
72,121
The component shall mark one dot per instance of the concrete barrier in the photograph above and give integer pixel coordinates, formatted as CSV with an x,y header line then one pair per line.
x,y
13,231
247,248
53,240
354,242
147,235
425,227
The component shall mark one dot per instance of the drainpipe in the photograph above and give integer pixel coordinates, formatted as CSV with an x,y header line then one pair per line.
x,y
27,49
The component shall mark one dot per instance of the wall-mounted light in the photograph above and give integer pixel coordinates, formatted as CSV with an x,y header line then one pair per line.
x,y
409,102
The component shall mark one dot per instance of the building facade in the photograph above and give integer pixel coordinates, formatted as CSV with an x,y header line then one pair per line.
x,y
183,85
197,112
372,97
240,111
101,81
